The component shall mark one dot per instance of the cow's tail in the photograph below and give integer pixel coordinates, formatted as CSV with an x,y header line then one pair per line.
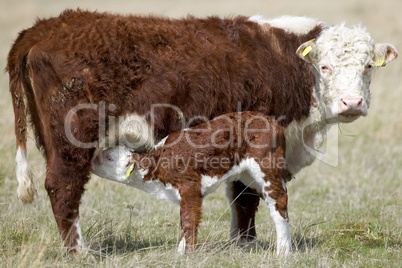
x,y
16,62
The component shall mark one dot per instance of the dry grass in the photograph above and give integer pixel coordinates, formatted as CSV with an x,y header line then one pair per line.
x,y
349,215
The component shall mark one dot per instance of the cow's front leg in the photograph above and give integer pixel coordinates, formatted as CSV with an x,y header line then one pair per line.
x,y
190,218
65,189
243,203
276,198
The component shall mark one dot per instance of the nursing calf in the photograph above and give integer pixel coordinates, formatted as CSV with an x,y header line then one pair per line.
x,y
186,166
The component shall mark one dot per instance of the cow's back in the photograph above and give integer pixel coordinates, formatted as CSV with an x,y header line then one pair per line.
x,y
204,67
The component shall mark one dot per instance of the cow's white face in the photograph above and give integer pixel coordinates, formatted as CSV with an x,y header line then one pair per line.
x,y
344,61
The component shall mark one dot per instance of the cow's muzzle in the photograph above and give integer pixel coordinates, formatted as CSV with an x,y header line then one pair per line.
x,y
352,107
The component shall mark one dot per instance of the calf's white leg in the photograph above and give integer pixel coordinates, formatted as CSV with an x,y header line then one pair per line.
x,y
283,240
276,197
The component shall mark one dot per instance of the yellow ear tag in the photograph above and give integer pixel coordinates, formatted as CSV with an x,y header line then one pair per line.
x,y
379,62
130,170
306,51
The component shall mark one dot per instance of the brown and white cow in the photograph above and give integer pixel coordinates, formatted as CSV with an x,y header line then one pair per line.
x,y
184,167
74,74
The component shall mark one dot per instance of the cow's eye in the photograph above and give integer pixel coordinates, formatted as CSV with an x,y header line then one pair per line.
x,y
324,68
369,67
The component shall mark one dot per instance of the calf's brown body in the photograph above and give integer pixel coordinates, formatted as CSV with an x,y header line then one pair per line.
x,y
194,162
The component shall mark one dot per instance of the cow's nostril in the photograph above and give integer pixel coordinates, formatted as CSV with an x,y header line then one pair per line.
x,y
360,104
343,105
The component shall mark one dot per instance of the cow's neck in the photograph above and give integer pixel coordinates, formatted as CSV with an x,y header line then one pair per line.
x,y
295,82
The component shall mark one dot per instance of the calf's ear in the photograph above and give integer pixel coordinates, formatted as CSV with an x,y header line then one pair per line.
x,y
306,51
384,53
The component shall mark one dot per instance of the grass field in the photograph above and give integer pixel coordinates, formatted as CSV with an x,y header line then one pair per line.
x,y
349,215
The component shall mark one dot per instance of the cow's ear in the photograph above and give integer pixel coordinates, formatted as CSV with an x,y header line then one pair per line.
x,y
384,53
306,51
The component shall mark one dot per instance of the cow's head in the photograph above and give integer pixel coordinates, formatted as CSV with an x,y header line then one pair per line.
x,y
344,61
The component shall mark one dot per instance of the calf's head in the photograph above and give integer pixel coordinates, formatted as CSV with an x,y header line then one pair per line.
x,y
116,161
344,61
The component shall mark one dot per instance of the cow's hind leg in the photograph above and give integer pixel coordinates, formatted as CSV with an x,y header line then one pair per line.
x,y
65,189
243,203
